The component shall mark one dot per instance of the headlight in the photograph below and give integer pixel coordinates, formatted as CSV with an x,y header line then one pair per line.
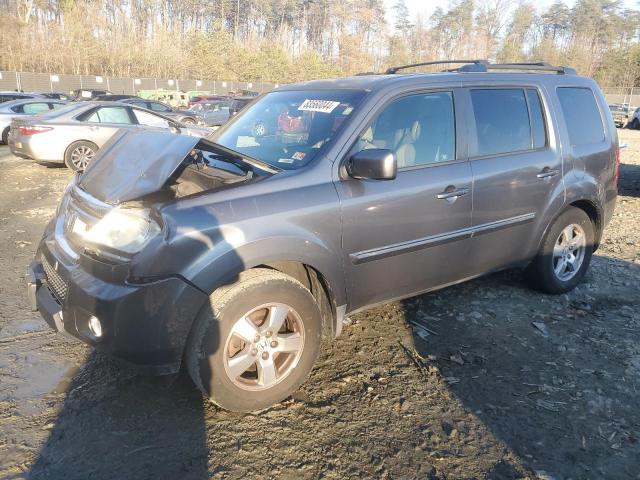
x,y
124,229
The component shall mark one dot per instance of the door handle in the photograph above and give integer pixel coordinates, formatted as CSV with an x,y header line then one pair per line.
x,y
547,172
451,192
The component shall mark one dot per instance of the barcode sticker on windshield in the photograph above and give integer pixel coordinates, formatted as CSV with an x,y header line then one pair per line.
x,y
324,106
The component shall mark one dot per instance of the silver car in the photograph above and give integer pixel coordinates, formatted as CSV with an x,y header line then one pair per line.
x,y
72,135
18,108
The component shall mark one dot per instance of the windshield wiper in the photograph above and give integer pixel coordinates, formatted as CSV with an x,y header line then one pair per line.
x,y
225,151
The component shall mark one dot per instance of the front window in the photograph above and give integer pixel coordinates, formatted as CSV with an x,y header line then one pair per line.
x,y
287,129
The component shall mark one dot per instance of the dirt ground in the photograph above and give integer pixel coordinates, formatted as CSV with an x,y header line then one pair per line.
x,y
505,383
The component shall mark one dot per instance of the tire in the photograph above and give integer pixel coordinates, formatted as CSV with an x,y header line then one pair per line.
x,y
79,154
189,121
5,136
216,353
546,272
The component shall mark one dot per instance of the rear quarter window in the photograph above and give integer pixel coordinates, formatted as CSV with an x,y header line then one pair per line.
x,y
581,115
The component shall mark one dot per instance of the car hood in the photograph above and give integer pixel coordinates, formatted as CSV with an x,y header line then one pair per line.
x,y
135,163
138,162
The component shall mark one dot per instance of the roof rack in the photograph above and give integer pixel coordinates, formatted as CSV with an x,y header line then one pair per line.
x,y
534,66
484,66
393,70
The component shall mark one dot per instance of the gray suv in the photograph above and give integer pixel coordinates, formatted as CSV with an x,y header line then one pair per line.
x,y
234,255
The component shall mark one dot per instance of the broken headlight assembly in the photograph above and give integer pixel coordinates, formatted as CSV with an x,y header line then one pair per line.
x,y
124,229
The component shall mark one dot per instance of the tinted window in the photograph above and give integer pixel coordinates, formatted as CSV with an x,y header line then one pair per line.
x,y
35,108
502,121
110,115
581,115
419,129
159,107
537,119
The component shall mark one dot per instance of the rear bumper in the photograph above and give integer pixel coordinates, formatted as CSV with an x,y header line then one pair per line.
x,y
146,325
33,148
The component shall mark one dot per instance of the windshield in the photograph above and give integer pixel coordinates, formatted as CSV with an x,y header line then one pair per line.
x,y
287,129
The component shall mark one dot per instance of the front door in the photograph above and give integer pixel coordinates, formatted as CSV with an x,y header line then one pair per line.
x,y
409,234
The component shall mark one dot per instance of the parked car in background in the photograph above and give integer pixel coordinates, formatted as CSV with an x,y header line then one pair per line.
x,y
218,112
73,134
114,97
183,116
55,95
237,255
86,94
9,96
20,108
620,115
634,122
205,98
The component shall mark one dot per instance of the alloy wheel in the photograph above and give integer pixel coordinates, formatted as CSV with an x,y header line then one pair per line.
x,y
568,252
81,156
264,346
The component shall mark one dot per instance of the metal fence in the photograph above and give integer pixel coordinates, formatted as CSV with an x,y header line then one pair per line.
x,y
39,82
629,95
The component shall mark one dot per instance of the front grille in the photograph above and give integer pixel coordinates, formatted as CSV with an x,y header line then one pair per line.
x,y
56,285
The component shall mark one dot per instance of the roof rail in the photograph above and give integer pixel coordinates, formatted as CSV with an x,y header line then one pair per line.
x,y
470,63
484,66
533,66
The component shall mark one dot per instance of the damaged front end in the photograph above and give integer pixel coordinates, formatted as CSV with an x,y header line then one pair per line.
x,y
81,279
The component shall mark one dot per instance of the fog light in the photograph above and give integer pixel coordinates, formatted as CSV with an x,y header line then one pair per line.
x,y
95,326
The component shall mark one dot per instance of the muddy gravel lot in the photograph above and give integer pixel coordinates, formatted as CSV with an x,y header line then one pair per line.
x,y
483,380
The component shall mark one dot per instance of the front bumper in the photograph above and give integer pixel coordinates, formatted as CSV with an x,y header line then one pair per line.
x,y
146,325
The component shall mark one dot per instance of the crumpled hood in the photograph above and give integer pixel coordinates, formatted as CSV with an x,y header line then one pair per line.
x,y
135,163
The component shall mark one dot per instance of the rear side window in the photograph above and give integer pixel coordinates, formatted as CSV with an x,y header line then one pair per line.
x,y
159,107
581,115
502,121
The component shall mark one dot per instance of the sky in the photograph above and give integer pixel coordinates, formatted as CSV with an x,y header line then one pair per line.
x,y
426,7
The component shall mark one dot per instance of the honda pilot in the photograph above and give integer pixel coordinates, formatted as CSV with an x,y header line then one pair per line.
x,y
233,256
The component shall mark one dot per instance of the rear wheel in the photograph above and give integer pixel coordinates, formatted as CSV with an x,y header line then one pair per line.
x,y
80,154
565,254
5,136
255,342
189,121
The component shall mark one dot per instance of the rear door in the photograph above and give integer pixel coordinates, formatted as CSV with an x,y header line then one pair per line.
x,y
409,234
517,172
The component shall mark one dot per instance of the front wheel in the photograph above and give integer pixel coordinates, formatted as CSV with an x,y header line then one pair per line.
x,y
565,254
189,121
255,342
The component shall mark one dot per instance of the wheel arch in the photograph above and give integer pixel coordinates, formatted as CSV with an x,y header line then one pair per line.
x,y
312,264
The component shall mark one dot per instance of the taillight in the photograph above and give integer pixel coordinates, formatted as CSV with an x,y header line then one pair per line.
x,y
616,173
33,130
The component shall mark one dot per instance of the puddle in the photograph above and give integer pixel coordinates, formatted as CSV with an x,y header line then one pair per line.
x,y
22,326
28,377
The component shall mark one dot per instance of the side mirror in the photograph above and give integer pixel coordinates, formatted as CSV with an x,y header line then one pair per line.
x,y
373,164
